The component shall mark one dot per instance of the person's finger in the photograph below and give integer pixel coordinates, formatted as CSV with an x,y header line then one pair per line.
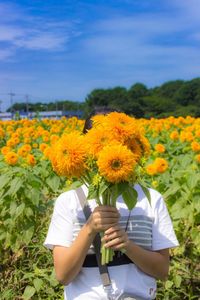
x,y
113,235
114,243
113,229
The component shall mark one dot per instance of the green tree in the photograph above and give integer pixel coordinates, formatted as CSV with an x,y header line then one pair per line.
x,y
188,93
137,91
98,97
155,105
170,88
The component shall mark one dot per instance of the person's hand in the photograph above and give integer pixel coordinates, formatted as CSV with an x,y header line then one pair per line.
x,y
102,218
115,238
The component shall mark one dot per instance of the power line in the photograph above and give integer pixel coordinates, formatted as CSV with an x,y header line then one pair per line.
x,y
11,101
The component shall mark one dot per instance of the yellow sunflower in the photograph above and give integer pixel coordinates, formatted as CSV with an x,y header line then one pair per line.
x,y
160,148
98,120
54,138
116,163
151,169
135,147
174,135
11,158
12,142
121,126
198,158
161,165
195,146
47,152
96,139
5,150
31,160
24,150
43,146
145,145
68,155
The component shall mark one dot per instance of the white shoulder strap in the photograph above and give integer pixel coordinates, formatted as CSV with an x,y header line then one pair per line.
x,y
103,269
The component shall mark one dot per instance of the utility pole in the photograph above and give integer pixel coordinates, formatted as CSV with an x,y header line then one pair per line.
x,y
56,109
27,102
0,104
11,102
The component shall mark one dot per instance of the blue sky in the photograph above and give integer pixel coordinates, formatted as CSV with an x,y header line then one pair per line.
x,y
63,49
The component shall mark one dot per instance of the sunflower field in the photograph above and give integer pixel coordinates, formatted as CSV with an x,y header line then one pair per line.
x,y
29,187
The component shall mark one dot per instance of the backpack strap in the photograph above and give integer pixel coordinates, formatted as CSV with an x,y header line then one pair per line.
x,y
103,269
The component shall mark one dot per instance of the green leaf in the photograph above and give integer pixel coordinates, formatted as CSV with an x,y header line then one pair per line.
x,y
33,180
19,210
195,235
168,284
53,182
122,186
117,190
34,195
28,292
7,294
173,189
38,284
177,281
103,187
15,185
115,193
2,236
146,192
192,180
92,192
4,180
28,234
13,207
52,279
130,197
75,184
28,212
185,161
8,240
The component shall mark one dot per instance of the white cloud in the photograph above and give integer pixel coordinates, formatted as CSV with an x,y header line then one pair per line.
x,y
142,24
130,50
20,30
42,41
10,33
34,39
189,8
144,38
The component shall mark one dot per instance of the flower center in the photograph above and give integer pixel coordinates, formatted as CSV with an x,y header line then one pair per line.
x,y
116,164
65,152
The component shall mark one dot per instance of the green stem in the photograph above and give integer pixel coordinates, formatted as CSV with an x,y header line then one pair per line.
x,y
103,255
107,253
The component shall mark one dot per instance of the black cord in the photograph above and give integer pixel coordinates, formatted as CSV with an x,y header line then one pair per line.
x,y
128,220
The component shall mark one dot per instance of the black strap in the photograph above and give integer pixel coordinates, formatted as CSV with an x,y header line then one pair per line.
x,y
118,260
105,277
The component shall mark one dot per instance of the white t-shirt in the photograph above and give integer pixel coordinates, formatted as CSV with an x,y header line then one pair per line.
x,y
149,226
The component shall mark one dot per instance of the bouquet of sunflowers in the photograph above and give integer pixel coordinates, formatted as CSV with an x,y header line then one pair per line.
x,y
108,159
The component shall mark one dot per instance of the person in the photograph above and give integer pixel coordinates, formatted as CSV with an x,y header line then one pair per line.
x,y
145,234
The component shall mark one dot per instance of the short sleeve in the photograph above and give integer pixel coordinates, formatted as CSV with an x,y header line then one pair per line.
x,y
60,230
162,232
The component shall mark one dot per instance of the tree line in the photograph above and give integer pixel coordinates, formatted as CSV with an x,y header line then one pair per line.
x,y
177,98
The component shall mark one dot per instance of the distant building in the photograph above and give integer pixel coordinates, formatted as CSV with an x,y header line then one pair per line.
x,y
5,116
41,115
73,113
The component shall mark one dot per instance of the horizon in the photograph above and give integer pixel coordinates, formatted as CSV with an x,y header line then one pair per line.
x,y
65,50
